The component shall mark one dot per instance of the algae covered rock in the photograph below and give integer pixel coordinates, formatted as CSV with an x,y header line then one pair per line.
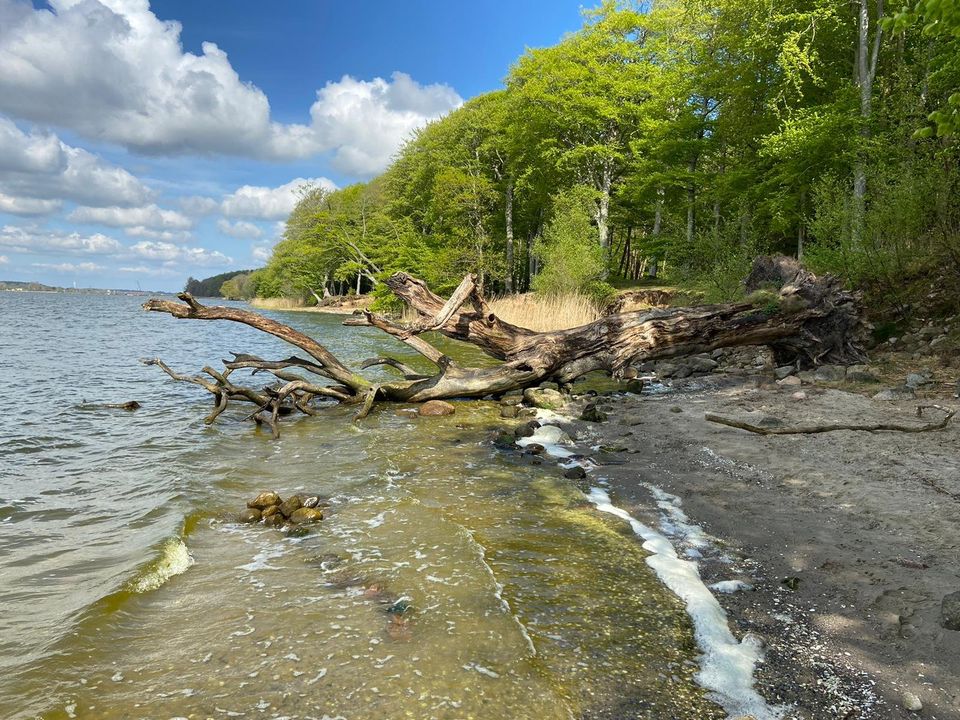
x,y
305,516
264,500
544,398
436,408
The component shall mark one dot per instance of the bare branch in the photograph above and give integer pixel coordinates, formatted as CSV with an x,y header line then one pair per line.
x,y
833,427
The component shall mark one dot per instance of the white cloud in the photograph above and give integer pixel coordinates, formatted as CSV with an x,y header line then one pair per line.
x,y
263,203
70,267
32,240
111,70
365,122
149,216
4,260
240,229
37,170
197,205
178,236
27,206
170,254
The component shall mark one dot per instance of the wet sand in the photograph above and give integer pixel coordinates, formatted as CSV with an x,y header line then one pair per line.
x,y
850,539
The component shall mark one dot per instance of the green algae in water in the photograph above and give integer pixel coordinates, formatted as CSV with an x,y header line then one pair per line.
x,y
524,602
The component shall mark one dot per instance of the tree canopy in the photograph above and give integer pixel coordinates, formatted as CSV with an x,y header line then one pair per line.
x,y
689,135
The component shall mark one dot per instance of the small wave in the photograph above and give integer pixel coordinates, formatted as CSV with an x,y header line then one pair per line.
x,y
175,559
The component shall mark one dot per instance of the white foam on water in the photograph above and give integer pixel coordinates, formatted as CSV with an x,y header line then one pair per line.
x,y
175,558
730,586
726,666
261,561
677,521
553,439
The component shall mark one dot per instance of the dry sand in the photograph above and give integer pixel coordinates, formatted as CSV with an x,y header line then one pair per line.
x,y
863,527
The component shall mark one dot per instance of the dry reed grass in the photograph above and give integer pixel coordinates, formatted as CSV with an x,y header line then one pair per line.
x,y
278,303
544,313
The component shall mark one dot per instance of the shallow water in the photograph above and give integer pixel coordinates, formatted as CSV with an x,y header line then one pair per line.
x,y
128,592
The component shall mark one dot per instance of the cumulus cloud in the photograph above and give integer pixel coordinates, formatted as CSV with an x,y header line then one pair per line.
x,y
178,236
32,240
241,229
170,254
70,267
364,122
38,170
264,203
4,260
27,206
111,70
197,205
148,216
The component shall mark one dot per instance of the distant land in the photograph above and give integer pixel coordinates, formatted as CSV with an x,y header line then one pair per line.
x,y
18,286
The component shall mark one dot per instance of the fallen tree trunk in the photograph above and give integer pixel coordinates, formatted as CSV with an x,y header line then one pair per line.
x,y
779,429
808,319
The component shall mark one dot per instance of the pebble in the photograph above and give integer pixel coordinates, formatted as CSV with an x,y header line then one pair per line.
x,y
911,702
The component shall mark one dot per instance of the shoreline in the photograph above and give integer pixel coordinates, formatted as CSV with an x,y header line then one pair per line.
x,y
846,540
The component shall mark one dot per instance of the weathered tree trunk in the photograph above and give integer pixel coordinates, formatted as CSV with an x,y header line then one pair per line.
x,y
813,320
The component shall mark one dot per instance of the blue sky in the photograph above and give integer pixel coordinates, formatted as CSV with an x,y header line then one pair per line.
x,y
144,142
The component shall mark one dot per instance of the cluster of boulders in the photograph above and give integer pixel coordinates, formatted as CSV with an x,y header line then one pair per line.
x,y
929,339
268,507
734,360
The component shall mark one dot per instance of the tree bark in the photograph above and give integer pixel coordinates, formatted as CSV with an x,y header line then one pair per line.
x,y
866,71
508,222
814,320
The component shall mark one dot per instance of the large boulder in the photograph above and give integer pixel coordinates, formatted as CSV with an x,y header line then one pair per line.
x,y
436,408
544,398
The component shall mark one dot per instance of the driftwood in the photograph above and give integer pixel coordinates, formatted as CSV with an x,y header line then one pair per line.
x,y
776,429
808,320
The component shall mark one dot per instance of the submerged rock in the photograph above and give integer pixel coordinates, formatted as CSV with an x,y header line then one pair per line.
x,y
305,516
275,520
526,430
509,411
575,473
436,408
264,500
250,515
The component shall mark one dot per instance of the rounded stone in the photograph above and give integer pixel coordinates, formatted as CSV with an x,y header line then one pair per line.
x,y
250,515
291,505
311,502
304,516
575,473
264,500
436,408
272,510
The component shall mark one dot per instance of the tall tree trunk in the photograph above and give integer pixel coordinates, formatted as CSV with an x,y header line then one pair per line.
x,y
603,214
691,199
508,223
866,70
657,223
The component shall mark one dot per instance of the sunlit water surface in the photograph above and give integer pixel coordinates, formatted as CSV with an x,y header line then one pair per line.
x,y
127,591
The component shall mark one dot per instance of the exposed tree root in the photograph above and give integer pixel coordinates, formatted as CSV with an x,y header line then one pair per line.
x,y
810,320
833,427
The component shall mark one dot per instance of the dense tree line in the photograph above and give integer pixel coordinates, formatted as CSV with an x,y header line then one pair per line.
x,y
212,286
681,136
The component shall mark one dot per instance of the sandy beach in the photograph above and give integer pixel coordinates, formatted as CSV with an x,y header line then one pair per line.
x,y
848,540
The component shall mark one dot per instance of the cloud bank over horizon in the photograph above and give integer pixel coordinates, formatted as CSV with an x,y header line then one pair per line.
x,y
102,109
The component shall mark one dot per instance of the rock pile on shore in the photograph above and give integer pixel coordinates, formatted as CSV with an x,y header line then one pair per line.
x,y
268,507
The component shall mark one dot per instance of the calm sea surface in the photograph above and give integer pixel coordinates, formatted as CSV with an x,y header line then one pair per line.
x,y
127,591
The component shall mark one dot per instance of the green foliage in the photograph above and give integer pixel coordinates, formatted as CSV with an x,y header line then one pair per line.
x,y
572,260
689,134
210,287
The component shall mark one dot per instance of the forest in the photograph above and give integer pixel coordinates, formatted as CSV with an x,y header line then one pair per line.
x,y
669,141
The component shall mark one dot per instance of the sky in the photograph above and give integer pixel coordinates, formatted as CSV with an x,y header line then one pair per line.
x,y
145,142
